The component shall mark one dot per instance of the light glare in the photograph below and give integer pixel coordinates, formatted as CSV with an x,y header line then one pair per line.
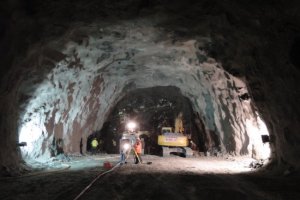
x,y
126,146
257,128
131,126
29,133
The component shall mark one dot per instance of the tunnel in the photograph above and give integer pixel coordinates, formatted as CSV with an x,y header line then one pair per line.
x,y
152,109
75,71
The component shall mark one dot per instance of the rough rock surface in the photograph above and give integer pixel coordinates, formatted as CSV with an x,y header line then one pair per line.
x,y
65,69
79,92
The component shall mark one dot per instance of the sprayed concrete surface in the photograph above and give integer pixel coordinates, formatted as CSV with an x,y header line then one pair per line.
x,y
165,178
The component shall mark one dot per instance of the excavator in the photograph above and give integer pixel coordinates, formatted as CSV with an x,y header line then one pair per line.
x,y
175,142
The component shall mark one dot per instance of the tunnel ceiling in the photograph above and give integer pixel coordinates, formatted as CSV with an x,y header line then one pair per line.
x,y
67,65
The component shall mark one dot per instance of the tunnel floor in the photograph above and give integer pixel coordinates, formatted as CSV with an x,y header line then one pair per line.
x,y
165,178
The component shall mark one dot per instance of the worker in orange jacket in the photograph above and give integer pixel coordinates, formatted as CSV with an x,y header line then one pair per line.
x,y
138,151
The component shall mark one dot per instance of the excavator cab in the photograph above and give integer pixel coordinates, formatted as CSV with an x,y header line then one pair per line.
x,y
166,130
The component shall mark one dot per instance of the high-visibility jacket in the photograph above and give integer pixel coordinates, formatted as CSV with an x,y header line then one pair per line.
x,y
138,146
94,143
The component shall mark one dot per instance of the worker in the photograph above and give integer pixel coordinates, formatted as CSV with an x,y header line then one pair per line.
x,y
123,157
94,144
138,151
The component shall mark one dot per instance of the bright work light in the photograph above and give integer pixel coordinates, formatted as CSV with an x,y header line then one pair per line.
x,y
131,126
126,146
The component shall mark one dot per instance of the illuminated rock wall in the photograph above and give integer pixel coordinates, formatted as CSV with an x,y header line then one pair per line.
x,y
78,94
65,65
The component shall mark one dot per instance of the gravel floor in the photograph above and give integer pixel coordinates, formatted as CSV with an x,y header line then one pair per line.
x,y
164,178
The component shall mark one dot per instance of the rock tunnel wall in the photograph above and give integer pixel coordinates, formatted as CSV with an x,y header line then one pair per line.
x,y
61,79
74,99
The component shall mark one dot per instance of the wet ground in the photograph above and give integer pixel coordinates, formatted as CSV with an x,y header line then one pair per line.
x,y
165,178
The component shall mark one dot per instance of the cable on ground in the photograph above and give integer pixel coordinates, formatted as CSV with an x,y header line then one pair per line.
x,y
100,175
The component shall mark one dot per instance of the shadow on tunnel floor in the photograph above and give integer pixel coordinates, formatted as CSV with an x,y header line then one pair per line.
x,y
136,181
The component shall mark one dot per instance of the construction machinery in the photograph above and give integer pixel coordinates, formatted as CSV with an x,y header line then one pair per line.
x,y
175,142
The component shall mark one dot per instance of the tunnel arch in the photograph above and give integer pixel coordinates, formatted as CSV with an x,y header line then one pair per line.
x,y
252,44
105,44
77,95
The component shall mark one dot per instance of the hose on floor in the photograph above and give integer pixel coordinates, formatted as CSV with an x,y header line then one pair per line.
x,y
99,176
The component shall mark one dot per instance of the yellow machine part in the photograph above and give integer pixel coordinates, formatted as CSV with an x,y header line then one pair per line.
x,y
173,141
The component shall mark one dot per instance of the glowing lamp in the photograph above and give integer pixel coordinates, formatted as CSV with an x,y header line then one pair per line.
x,y
126,146
131,126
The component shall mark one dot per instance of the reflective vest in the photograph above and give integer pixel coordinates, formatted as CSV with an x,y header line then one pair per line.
x,y
138,146
94,143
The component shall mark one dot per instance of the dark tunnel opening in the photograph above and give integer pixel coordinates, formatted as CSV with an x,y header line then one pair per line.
x,y
152,109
